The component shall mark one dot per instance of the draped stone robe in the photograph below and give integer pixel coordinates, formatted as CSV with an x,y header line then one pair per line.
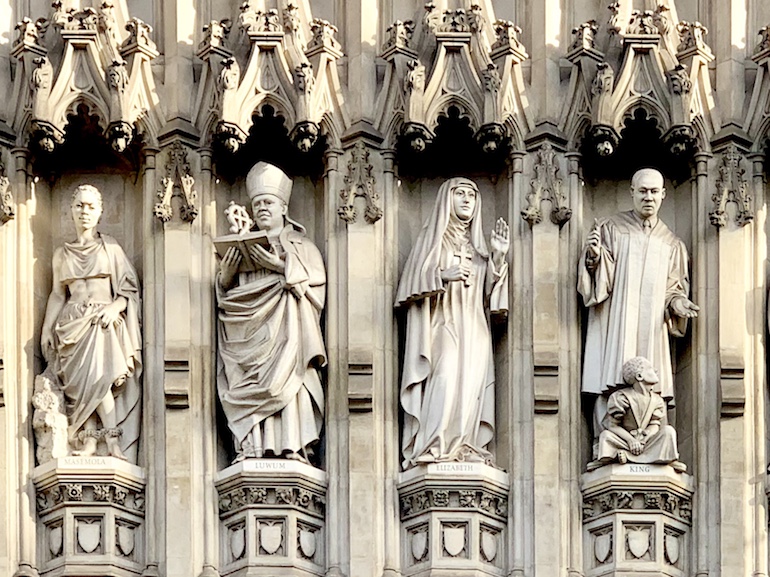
x,y
629,296
636,410
447,385
89,358
270,347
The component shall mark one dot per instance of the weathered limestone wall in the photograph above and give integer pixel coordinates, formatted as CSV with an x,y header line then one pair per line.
x,y
362,112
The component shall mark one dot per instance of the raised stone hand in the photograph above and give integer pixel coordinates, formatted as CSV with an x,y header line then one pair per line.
x,y
228,268
267,259
684,307
500,241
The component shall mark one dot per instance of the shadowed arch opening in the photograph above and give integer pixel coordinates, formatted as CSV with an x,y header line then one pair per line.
x,y
641,144
269,140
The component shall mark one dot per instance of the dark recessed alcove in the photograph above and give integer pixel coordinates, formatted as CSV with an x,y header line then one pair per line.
x,y
641,145
269,141
453,152
86,149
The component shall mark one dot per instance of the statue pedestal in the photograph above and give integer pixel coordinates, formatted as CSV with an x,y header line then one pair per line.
x,y
453,520
271,515
90,517
636,521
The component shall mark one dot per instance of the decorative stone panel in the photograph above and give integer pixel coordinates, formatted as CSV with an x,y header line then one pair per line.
x,y
271,515
636,520
90,513
453,520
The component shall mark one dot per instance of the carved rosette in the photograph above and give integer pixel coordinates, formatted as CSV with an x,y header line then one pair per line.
x,y
451,512
90,510
732,186
636,518
546,186
178,178
359,181
272,517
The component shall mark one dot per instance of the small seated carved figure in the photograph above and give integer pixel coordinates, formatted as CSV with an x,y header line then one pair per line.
x,y
49,420
633,429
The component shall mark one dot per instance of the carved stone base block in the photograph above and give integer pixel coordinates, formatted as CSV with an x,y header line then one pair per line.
x,y
636,521
90,517
453,520
272,519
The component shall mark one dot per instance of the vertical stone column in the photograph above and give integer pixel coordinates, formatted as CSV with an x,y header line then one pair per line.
x,y
337,437
153,434
516,437
21,368
705,368
204,344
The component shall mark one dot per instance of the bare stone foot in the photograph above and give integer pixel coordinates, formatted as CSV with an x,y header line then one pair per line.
x,y
89,439
297,457
679,467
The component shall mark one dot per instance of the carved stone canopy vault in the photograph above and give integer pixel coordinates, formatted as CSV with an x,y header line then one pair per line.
x,y
283,58
82,57
644,60
463,59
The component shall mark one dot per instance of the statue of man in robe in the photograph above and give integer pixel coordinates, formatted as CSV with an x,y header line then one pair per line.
x,y
450,285
633,277
270,342
91,336
634,426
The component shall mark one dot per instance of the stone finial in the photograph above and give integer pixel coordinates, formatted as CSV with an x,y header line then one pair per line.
x,y
215,34
642,22
399,35
139,35
29,32
691,35
291,20
507,35
455,21
476,19
602,83
303,78
546,186
431,19
323,35
585,36
178,174
252,21
732,186
84,19
359,181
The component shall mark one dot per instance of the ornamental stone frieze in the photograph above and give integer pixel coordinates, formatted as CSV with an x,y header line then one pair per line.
x,y
462,58
179,178
272,518
640,60
281,58
90,511
99,58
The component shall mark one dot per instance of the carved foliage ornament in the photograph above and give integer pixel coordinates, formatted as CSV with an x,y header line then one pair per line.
x,y
269,496
546,186
399,35
764,42
585,36
178,175
732,186
359,181
672,503
6,198
90,493
477,500
691,35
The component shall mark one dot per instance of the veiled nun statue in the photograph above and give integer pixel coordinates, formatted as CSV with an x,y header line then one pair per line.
x,y
450,284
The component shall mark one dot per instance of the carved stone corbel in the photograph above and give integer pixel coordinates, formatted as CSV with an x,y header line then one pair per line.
x,y
178,175
546,186
7,211
732,186
359,181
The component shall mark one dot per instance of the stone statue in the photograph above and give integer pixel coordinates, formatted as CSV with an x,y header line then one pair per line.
x,y
91,336
450,284
633,276
270,342
634,431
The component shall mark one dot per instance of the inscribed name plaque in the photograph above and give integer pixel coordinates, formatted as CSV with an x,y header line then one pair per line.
x,y
636,519
272,518
90,516
454,517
